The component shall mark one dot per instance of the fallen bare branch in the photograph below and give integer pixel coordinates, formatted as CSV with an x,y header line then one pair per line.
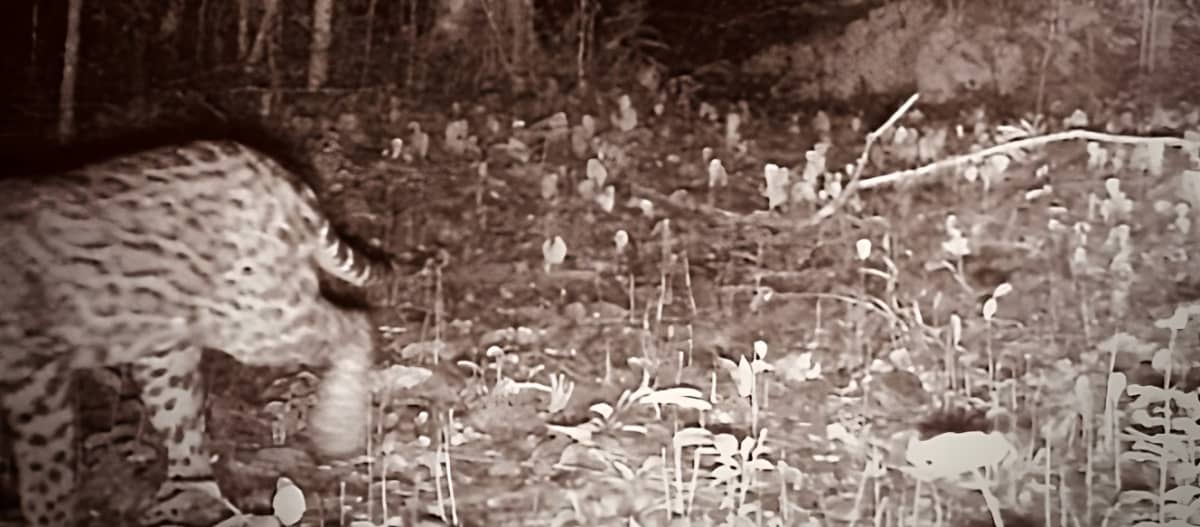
x,y
901,176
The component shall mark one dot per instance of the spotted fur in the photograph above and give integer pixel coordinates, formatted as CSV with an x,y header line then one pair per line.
x,y
145,260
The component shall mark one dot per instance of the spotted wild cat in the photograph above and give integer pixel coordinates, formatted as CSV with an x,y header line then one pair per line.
x,y
144,259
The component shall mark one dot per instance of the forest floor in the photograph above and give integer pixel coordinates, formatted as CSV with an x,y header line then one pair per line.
x,y
730,365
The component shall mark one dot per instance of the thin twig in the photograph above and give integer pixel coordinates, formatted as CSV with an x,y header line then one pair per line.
x,y
853,185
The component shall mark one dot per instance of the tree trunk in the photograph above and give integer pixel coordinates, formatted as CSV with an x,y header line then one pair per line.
x,y
273,45
168,28
31,71
322,40
66,93
243,29
201,27
366,67
521,23
158,54
411,74
266,28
